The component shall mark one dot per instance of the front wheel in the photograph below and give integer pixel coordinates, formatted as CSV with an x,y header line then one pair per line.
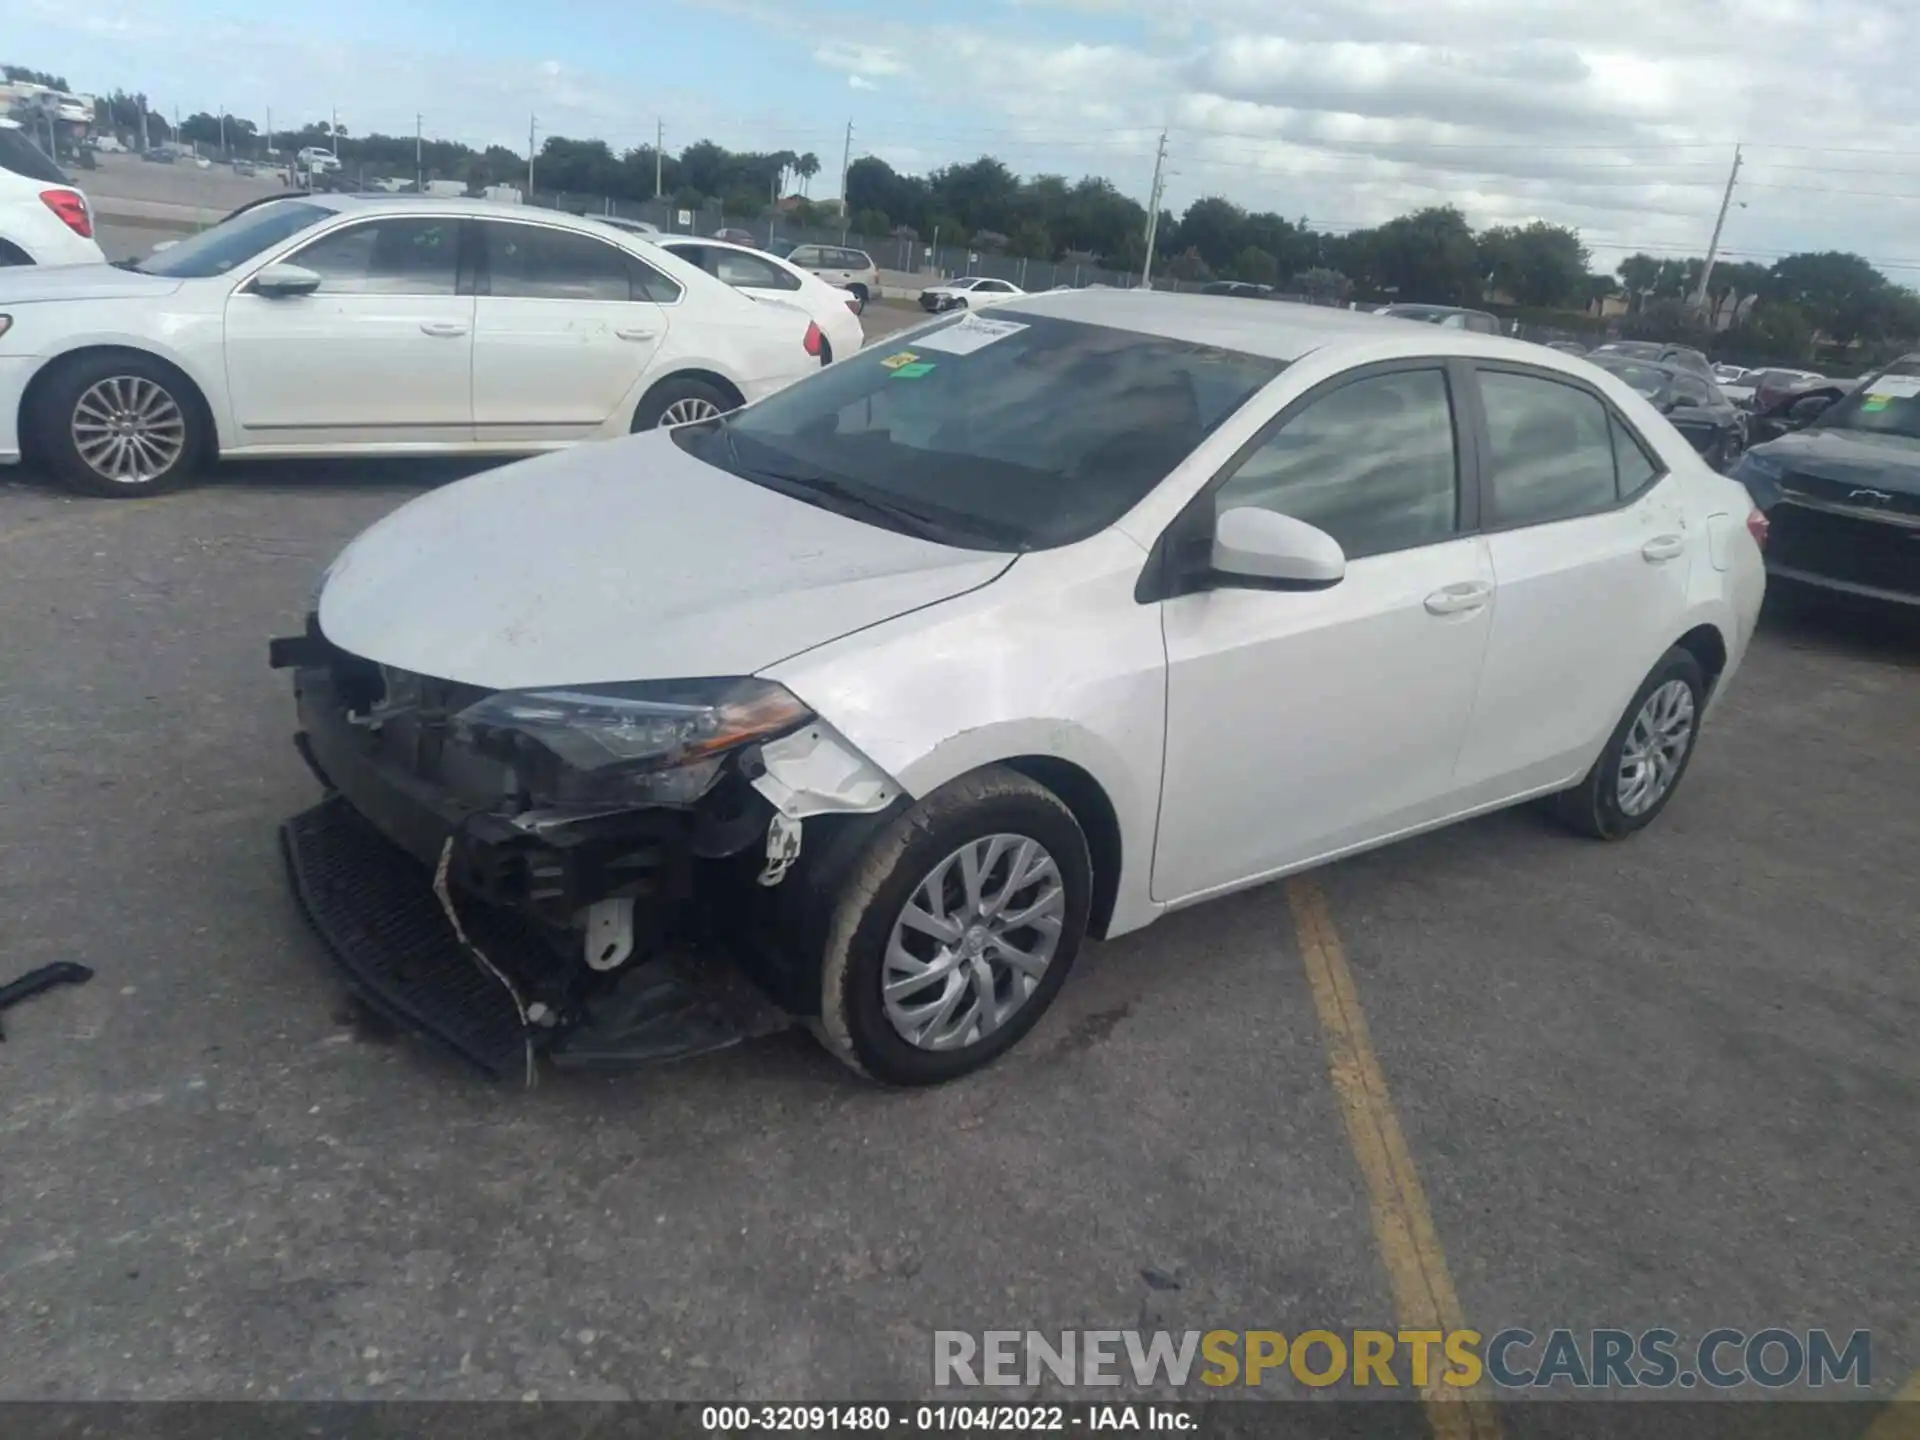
x,y
955,931
119,427
1644,758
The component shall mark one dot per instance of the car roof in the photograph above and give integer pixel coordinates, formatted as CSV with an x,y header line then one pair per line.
x,y
455,204
1280,330
1640,362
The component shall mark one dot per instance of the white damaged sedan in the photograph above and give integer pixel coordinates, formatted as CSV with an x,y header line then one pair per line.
x,y
864,705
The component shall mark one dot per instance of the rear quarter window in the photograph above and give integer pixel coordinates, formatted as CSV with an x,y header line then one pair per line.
x,y
26,159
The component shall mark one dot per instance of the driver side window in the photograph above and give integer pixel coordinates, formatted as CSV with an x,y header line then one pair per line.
x,y
1371,463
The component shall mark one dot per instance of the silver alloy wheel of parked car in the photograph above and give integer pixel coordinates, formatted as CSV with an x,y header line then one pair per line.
x,y
688,410
128,429
973,942
1655,746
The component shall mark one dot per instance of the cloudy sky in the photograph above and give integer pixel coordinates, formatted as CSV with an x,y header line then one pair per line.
x,y
1619,120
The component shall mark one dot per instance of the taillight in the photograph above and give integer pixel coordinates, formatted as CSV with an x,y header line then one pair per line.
x,y
1757,526
71,207
814,339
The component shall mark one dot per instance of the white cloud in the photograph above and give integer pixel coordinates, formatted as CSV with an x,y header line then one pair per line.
x,y
1618,120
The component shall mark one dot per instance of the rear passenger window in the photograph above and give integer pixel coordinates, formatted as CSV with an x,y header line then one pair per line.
x,y
1632,466
1551,450
536,262
1371,463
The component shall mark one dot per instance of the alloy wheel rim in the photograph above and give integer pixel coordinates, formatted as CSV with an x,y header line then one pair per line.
x,y
973,942
1657,742
689,410
128,429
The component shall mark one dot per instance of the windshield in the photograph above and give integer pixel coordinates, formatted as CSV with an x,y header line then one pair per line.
x,y
1888,404
234,242
1019,432
1647,379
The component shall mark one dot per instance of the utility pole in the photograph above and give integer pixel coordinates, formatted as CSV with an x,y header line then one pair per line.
x,y
333,133
269,131
223,131
532,120
1153,209
419,170
141,100
659,145
1713,245
846,161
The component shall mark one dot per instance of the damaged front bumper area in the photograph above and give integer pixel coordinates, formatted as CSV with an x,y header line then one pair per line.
x,y
481,879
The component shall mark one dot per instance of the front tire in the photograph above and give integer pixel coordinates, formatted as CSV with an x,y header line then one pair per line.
x,y
120,427
955,931
1646,756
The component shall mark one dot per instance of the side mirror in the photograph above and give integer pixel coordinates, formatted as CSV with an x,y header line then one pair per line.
x,y
276,281
1257,549
1805,412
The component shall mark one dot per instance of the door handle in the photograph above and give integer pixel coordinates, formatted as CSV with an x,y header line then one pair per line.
x,y
634,334
1459,599
1663,547
442,329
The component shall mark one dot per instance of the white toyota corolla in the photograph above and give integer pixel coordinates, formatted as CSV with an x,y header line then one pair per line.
x,y
864,704
402,325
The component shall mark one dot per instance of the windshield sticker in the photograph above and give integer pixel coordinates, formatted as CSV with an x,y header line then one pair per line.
x,y
976,332
894,362
913,371
1875,402
1895,387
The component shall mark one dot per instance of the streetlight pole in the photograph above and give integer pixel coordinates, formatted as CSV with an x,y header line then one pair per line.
x,y
1153,209
1713,245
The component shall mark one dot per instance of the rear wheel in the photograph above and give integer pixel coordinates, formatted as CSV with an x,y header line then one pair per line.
x,y
955,930
1644,758
119,426
681,402
859,293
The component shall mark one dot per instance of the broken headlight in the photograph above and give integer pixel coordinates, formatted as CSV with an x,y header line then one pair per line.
x,y
652,743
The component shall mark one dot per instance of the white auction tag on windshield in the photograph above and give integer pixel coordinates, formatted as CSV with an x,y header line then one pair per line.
x,y
1895,387
976,332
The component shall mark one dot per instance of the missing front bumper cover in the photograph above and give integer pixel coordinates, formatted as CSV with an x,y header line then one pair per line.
x,y
373,906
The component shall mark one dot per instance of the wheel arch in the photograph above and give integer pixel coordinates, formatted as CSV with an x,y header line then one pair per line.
x,y
1708,646
36,387
1093,810
692,372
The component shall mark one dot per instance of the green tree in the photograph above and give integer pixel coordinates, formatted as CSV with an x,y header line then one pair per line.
x,y
1842,294
23,75
1428,256
1323,286
1256,265
1537,264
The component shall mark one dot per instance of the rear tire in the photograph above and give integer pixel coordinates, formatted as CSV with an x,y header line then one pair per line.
x,y
1002,819
1645,758
119,427
859,293
681,400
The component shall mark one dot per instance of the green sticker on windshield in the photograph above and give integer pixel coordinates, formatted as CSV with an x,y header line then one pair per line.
x,y
914,371
1875,402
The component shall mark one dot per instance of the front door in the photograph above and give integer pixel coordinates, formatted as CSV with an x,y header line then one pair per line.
x,y
1299,725
565,327
381,353
1591,550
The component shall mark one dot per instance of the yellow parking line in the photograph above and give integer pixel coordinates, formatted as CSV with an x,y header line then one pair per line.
x,y
1900,1420
1423,1292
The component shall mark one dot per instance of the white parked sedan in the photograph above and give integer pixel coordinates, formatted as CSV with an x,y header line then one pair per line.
x,y
403,325
44,219
1014,628
767,277
968,292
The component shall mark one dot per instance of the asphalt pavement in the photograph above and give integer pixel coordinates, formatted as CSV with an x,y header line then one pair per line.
x,y
1671,1082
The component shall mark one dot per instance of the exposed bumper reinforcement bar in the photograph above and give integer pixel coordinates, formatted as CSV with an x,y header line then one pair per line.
x,y
373,906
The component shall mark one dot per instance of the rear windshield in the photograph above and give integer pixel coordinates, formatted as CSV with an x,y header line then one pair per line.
x,y
1016,432
235,241
23,157
1647,379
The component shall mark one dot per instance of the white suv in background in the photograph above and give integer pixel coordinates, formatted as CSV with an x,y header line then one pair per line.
x,y
44,218
852,270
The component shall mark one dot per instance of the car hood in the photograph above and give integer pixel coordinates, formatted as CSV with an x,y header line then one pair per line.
x,y
26,283
1845,458
621,560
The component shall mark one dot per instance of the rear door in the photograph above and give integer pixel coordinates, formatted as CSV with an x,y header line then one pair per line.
x,y
381,353
1590,548
565,327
